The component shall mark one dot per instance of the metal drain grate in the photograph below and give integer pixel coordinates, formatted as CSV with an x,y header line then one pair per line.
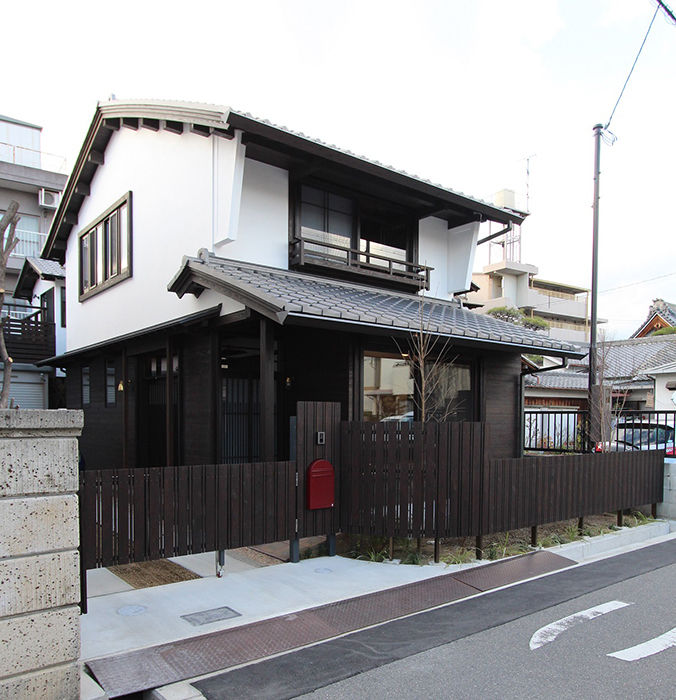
x,y
204,617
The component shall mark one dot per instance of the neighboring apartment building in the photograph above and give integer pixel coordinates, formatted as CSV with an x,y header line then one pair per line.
x,y
506,281
30,177
220,269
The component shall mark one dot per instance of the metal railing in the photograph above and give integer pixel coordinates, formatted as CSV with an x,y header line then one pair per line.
x,y
30,243
32,158
627,431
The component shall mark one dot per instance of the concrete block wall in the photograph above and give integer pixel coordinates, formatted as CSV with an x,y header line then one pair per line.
x,y
39,564
667,509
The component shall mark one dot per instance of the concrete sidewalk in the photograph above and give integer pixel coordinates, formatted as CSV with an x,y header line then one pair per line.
x,y
123,620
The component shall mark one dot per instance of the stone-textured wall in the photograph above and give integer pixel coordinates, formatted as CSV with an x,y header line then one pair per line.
x,y
667,509
39,566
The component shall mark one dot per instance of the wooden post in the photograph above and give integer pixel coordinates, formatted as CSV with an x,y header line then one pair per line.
x,y
331,542
436,550
619,518
169,412
653,510
267,391
125,410
580,525
534,536
479,547
391,548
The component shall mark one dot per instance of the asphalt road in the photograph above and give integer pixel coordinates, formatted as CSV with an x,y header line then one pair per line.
x,y
499,663
481,647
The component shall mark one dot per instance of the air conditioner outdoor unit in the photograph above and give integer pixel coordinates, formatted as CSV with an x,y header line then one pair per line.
x,y
48,199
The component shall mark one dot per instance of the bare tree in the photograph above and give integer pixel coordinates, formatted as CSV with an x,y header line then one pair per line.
x,y
428,357
8,242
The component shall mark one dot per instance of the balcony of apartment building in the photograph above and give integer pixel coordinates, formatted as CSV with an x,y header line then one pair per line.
x,y
29,332
556,299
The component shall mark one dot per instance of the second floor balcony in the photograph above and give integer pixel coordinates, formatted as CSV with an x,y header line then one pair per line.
x,y
29,333
368,264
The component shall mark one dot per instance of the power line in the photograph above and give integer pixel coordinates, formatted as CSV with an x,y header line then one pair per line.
x,y
657,9
667,11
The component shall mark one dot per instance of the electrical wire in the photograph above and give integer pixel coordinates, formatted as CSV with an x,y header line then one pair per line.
x,y
657,9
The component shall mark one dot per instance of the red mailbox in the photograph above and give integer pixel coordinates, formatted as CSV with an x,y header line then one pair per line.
x,y
320,485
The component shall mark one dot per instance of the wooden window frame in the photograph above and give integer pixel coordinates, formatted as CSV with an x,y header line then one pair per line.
x,y
88,370
107,364
103,265
358,201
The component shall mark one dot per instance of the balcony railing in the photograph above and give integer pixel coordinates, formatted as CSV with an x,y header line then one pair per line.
x,y
28,336
30,243
354,263
32,158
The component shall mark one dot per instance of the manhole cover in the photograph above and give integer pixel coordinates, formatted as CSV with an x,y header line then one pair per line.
x,y
129,610
323,570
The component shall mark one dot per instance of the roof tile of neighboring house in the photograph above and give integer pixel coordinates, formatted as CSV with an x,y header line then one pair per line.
x,y
557,379
661,308
281,293
629,360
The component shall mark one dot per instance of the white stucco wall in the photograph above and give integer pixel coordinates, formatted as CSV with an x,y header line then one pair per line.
x,y
181,188
664,396
450,252
263,230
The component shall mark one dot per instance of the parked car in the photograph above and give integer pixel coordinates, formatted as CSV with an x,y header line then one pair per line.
x,y
638,435
403,418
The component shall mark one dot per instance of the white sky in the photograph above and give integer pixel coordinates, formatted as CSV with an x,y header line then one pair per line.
x,y
457,91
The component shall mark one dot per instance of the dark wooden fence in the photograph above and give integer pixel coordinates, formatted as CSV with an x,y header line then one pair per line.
x,y
138,514
429,480
412,479
539,490
393,480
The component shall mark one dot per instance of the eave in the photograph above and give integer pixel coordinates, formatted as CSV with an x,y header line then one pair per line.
x,y
208,120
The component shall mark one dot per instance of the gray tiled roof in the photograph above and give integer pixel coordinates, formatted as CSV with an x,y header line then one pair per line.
x,y
625,363
557,379
47,267
283,293
630,358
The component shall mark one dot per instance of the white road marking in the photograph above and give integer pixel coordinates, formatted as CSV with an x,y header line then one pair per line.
x,y
550,632
652,646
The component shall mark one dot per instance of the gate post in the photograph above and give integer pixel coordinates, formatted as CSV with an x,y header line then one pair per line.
x,y
39,539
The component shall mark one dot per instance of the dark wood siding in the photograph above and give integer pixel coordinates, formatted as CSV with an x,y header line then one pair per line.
x,y
499,400
199,384
102,434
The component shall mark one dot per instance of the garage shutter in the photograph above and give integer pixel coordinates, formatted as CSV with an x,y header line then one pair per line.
x,y
28,394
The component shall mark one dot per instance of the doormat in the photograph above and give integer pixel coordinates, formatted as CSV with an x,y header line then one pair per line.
x,y
145,574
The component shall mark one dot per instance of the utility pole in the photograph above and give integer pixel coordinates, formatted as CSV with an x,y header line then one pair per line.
x,y
594,395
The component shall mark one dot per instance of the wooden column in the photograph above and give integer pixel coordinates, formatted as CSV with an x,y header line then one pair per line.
x,y
267,391
125,410
169,412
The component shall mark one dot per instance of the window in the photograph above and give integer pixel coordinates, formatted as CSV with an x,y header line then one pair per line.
x,y
111,385
47,304
85,386
357,231
63,307
392,394
105,249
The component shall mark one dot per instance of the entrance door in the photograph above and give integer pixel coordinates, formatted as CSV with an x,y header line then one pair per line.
x,y
152,412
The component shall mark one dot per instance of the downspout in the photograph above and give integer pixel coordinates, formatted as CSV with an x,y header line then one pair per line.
x,y
563,365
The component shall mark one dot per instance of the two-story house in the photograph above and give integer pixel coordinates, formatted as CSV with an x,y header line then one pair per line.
x,y
33,326
221,268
